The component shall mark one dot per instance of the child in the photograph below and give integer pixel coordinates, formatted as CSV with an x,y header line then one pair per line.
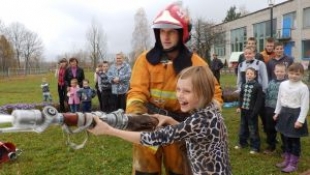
x,y
270,105
104,86
204,131
74,100
291,112
261,76
279,57
46,91
259,67
251,42
249,104
86,94
268,52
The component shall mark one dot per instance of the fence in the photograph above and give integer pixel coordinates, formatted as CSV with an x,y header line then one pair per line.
x,y
11,72
21,71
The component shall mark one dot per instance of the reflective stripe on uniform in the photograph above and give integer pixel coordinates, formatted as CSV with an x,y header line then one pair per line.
x,y
129,101
163,94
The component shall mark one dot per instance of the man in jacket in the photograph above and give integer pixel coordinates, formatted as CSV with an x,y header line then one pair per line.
x,y
216,66
153,84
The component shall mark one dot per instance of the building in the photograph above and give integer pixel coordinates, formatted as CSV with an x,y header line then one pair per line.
x,y
290,25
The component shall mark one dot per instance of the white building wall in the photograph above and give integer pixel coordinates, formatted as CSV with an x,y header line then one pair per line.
x,y
298,34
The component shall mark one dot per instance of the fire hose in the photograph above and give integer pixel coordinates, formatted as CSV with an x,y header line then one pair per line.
x,y
38,121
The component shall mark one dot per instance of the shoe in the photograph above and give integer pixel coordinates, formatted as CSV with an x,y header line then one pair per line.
x,y
253,152
237,147
285,161
240,146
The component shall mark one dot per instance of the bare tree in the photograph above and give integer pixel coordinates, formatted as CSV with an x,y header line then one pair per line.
x,y
16,32
141,34
6,54
204,36
97,41
82,55
32,49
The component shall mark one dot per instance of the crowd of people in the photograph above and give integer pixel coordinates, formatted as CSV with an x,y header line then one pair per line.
x,y
176,86
270,86
74,91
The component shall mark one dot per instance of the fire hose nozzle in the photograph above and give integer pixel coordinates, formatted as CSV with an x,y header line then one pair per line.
x,y
37,121
33,120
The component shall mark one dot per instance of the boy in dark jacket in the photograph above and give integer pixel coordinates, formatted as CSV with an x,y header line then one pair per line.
x,y
249,105
280,57
86,94
270,106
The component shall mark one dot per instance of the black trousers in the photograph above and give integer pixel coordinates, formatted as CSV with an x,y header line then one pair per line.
x,y
99,96
270,127
119,101
106,101
217,75
62,94
262,113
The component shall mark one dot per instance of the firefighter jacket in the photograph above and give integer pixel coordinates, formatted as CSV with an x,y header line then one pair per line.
x,y
156,84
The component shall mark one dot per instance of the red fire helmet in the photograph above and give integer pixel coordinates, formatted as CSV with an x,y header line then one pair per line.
x,y
7,151
173,17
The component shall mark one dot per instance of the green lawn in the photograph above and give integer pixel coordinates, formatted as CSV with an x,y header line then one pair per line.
x,y
47,153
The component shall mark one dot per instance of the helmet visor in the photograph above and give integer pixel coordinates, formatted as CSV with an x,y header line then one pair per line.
x,y
166,26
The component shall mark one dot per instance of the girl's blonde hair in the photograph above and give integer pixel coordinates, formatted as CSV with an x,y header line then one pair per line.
x,y
202,81
74,80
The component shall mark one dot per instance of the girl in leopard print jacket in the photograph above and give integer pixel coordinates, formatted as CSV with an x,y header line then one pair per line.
x,y
204,131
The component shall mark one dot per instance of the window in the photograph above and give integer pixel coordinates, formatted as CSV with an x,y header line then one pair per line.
x,y
306,17
306,49
288,22
238,38
291,19
262,31
219,44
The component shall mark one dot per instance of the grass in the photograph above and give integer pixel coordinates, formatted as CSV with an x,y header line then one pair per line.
x,y
47,153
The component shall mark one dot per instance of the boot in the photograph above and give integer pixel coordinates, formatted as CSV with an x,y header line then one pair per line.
x,y
292,165
285,161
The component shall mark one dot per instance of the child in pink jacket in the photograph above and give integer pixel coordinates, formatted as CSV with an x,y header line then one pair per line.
x,y
74,100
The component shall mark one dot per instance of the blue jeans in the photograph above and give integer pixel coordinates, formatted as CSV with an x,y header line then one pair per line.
x,y
74,108
86,106
249,129
47,97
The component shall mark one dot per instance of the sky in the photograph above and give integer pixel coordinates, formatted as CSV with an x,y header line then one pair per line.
x,y
62,24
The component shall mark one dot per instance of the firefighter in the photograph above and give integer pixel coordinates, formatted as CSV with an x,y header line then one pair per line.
x,y
153,85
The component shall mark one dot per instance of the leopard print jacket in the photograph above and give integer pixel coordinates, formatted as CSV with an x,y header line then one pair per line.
x,y
206,141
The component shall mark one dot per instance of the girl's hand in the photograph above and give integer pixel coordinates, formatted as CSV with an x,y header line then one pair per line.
x,y
68,94
164,120
101,127
297,125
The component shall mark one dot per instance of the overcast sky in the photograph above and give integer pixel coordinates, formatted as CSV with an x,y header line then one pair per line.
x,y
62,24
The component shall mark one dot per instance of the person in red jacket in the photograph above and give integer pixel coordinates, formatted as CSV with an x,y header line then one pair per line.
x,y
153,84
268,52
